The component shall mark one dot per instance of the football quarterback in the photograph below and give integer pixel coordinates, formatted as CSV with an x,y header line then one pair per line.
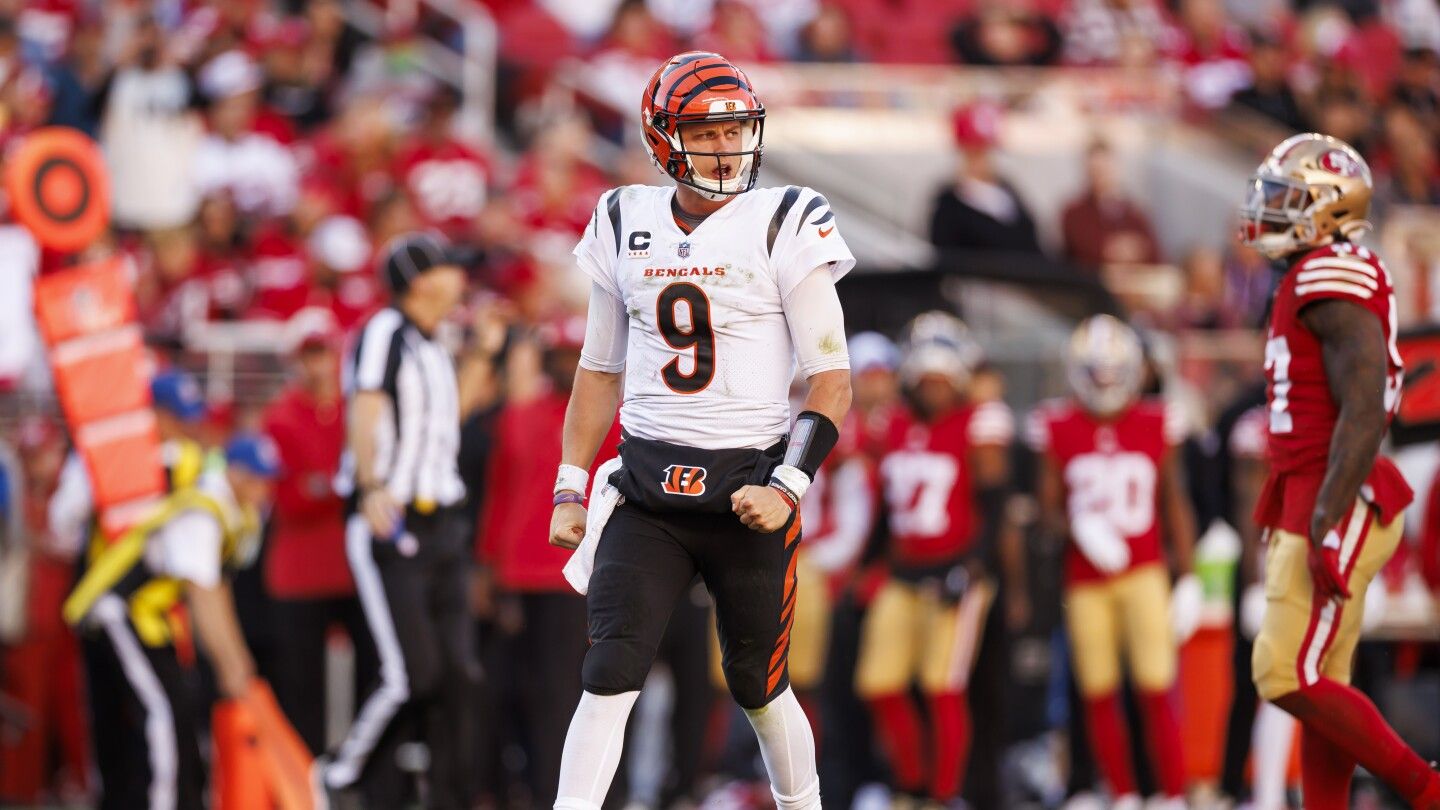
x,y
706,294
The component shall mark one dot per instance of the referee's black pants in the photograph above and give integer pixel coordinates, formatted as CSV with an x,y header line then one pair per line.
x,y
416,600
142,718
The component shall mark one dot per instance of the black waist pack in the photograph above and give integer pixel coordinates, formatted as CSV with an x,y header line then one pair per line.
x,y
663,477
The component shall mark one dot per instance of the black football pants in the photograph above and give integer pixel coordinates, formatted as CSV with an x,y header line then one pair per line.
x,y
416,602
645,561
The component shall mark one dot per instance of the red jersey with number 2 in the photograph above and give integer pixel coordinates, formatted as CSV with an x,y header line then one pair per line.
x,y
927,485
1302,413
1112,469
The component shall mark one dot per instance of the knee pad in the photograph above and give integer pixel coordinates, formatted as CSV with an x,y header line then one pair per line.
x,y
751,689
1272,674
615,666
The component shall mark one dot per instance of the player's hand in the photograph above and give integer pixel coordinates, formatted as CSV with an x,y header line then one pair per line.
x,y
1187,601
1100,543
381,512
760,508
567,525
1252,610
1324,562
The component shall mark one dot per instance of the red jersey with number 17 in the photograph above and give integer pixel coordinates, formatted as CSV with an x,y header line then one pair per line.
x,y
1302,412
927,485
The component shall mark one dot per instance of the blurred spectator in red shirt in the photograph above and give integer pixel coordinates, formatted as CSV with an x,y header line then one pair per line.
x,y
260,173
340,260
555,191
353,157
1269,92
171,293
630,52
1103,226
222,265
305,566
26,98
1211,53
1372,50
1004,32
1099,32
514,530
41,669
446,179
279,274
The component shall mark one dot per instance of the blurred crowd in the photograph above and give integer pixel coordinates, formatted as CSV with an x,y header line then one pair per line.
x,y
260,155
260,152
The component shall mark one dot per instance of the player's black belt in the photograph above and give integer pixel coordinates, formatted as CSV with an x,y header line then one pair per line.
x,y
662,477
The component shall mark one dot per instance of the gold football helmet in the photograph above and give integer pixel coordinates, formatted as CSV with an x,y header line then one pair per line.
x,y
937,342
1105,365
1311,190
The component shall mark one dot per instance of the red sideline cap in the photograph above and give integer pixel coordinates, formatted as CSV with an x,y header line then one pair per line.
x,y
977,124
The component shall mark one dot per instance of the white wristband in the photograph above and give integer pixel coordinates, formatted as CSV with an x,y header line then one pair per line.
x,y
572,478
792,478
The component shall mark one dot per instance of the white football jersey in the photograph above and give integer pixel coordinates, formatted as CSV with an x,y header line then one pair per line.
x,y
709,357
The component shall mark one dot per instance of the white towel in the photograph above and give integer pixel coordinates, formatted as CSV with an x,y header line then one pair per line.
x,y
604,497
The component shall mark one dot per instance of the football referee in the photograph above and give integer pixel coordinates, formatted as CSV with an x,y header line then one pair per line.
x,y
405,536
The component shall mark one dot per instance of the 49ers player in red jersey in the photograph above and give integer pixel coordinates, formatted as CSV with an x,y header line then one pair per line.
x,y
1332,504
943,479
1110,479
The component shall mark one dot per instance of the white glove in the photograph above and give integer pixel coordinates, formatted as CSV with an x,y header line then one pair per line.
x,y
1100,543
1186,601
1252,610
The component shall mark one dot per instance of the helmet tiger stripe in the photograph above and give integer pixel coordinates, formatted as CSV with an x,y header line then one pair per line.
x,y
701,86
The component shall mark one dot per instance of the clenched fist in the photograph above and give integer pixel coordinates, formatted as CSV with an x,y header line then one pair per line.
x,y
760,507
567,525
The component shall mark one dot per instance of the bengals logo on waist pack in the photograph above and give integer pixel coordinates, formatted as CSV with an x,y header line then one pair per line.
x,y
683,480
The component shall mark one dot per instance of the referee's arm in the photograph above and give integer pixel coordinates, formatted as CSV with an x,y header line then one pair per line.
x,y
367,408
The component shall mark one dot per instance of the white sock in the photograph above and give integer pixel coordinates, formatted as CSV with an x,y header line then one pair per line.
x,y
789,752
1273,735
592,749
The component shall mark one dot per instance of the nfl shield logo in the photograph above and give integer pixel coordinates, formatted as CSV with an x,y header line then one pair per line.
x,y
683,249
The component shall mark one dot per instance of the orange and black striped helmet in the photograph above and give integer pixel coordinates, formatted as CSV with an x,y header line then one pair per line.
x,y
701,86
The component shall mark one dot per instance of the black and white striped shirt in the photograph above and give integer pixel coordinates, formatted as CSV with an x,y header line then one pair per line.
x,y
417,441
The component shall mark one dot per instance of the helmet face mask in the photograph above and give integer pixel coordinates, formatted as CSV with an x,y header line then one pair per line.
x,y
701,87
1311,190
938,346
1105,365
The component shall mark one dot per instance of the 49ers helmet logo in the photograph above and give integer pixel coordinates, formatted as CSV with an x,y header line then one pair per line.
x,y
683,480
1340,163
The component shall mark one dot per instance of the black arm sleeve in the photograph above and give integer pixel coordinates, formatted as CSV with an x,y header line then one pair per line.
x,y
814,437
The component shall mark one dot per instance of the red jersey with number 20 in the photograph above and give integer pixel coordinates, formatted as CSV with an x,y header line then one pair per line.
x,y
926,479
1110,468
1302,412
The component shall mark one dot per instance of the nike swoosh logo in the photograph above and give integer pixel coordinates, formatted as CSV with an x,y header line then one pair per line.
x,y
824,232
